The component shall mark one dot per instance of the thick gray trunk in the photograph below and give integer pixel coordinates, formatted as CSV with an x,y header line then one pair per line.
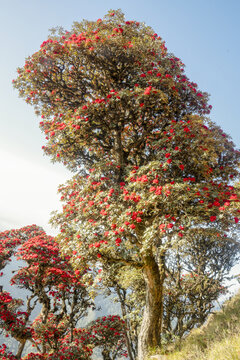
x,y
150,333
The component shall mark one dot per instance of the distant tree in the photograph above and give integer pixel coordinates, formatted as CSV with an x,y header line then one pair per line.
x,y
118,109
196,279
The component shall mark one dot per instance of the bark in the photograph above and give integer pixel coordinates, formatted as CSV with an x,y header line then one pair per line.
x,y
150,332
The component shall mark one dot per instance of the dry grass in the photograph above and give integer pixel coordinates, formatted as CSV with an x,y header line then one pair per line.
x,y
218,339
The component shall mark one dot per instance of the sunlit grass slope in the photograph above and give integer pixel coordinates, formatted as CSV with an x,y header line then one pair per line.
x,y
218,339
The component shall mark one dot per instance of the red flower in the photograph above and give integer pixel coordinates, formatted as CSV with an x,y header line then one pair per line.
x,y
148,91
118,241
213,218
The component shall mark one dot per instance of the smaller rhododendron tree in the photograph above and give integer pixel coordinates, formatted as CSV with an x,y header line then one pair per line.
x,y
64,301
108,335
51,277
52,283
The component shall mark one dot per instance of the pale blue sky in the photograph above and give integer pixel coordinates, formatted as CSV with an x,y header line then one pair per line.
x,y
204,34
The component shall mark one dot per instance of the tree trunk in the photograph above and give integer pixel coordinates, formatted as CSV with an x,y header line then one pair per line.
x,y
126,327
150,332
106,355
20,349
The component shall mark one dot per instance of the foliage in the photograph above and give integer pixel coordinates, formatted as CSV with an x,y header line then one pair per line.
x,y
153,172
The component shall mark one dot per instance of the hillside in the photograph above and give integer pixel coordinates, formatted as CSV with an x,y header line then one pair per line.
x,y
218,339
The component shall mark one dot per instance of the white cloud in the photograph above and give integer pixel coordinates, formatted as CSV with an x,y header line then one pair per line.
x,y
28,191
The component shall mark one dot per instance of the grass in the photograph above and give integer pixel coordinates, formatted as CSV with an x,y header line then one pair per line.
x,y
218,339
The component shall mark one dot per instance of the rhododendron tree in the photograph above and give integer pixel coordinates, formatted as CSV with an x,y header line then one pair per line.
x,y
117,108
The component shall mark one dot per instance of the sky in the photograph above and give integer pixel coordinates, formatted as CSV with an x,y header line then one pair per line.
x,y
204,34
